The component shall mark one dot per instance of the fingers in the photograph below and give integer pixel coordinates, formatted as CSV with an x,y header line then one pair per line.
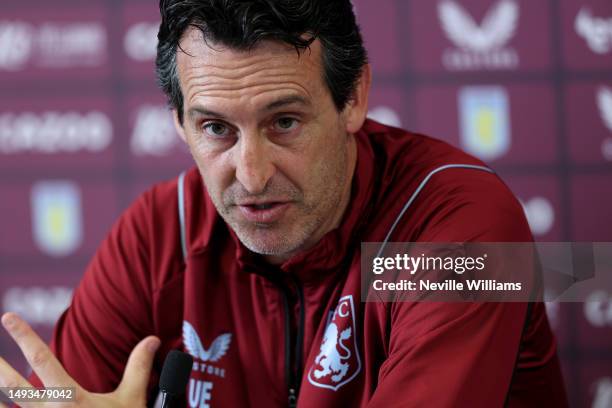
x,y
10,378
133,386
38,354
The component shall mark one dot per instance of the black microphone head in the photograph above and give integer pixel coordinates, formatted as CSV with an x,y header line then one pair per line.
x,y
175,372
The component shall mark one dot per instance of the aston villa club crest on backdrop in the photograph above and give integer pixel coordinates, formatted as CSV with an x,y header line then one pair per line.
x,y
338,360
56,217
484,121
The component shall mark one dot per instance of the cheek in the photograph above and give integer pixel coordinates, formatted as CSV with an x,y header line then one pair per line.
x,y
216,173
318,172
216,177
292,173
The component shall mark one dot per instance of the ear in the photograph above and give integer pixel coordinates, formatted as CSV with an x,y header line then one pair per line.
x,y
356,108
178,126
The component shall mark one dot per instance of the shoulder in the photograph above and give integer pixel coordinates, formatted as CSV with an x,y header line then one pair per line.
x,y
467,205
437,192
158,202
149,232
161,202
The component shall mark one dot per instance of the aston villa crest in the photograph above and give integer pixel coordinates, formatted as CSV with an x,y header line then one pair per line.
x,y
338,360
56,217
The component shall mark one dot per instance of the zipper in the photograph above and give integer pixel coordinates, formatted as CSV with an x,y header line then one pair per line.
x,y
293,369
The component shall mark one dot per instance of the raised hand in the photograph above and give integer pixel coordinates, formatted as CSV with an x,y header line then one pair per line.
x,y
131,392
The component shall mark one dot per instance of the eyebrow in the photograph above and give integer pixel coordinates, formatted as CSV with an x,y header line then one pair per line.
x,y
279,103
197,110
288,100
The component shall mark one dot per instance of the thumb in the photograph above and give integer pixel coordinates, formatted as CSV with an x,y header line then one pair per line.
x,y
133,386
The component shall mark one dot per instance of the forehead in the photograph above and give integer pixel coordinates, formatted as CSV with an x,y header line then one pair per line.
x,y
208,69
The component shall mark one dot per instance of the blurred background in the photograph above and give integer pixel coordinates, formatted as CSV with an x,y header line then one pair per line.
x,y
526,85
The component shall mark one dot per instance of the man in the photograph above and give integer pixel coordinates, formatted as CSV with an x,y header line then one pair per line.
x,y
251,261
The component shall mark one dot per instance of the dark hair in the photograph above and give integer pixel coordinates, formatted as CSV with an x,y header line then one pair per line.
x,y
241,24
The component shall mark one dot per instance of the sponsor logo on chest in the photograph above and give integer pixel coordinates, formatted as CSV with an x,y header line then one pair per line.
x,y
205,361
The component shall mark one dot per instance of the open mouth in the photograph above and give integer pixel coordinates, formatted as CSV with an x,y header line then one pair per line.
x,y
263,206
264,212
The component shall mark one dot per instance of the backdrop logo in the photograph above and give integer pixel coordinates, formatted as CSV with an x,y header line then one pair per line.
x,y
56,217
140,42
596,31
540,215
54,132
603,393
479,46
604,101
598,309
338,360
385,115
37,305
16,44
153,132
52,45
484,121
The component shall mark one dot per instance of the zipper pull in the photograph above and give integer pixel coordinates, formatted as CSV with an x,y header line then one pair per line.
x,y
292,398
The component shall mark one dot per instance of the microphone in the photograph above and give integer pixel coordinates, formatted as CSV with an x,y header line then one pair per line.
x,y
174,376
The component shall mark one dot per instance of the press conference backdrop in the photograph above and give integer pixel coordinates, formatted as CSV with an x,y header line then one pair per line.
x,y
525,85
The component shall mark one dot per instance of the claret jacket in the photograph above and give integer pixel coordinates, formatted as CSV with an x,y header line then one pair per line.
x,y
298,333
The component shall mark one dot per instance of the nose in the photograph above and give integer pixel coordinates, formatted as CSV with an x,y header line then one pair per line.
x,y
254,166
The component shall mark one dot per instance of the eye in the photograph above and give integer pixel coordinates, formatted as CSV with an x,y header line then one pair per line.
x,y
216,129
286,124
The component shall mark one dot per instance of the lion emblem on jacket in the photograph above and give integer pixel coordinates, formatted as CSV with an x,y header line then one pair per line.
x,y
337,363
329,358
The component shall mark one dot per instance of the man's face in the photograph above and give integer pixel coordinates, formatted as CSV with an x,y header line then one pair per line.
x,y
276,156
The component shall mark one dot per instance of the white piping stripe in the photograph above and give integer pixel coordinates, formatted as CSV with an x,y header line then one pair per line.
x,y
418,190
181,213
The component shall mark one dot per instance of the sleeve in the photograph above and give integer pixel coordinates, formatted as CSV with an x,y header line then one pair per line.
x,y
111,308
456,354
